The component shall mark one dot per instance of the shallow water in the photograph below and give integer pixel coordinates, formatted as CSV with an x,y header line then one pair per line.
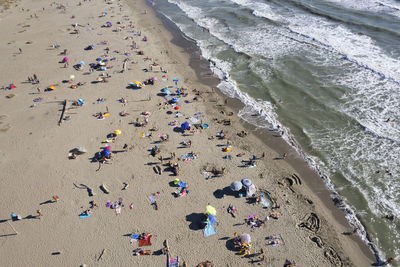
x,y
327,72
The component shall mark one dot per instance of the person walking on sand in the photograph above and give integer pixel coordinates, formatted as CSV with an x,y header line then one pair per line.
x,y
124,65
39,214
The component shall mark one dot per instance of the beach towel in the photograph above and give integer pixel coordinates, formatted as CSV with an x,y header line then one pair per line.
x,y
193,119
134,238
84,215
173,262
145,242
209,230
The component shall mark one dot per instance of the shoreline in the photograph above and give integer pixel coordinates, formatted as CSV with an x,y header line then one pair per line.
x,y
37,166
313,180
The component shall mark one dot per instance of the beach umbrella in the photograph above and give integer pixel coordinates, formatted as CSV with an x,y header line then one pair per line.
x,y
71,77
166,91
175,79
137,82
251,190
82,63
117,132
246,182
154,78
236,186
212,218
65,59
98,59
245,238
106,153
108,147
210,210
51,87
185,125
175,99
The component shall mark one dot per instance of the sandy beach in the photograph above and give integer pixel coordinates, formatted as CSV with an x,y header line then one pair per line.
x,y
88,210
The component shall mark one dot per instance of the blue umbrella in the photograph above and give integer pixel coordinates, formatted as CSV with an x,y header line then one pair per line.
x,y
246,182
185,125
82,63
175,99
212,218
175,79
105,153
166,91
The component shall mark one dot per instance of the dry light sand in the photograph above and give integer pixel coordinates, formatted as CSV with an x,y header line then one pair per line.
x,y
35,166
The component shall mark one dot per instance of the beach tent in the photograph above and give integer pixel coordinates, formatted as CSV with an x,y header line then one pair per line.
x,y
236,186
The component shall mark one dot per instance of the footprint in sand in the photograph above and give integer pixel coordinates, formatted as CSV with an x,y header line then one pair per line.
x,y
333,257
4,125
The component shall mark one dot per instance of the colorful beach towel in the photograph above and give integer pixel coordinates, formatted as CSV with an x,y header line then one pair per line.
x,y
173,262
145,241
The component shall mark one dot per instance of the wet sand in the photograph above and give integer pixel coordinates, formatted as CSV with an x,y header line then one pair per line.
x,y
37,167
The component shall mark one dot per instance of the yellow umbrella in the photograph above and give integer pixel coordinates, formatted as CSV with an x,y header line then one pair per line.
x,y
210,210
117,132
51,87
137,82
71,77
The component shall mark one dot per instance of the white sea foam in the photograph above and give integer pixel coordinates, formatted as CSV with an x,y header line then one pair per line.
x,y
358,103
386,6
260,9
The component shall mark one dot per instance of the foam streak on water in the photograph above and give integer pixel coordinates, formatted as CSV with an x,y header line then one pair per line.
x,y
327,72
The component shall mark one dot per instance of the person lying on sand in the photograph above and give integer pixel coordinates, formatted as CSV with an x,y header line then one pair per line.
x,y
123,113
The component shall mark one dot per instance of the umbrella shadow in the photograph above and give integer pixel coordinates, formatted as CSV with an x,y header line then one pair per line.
x,y
220,193
179,130
230,245
196,221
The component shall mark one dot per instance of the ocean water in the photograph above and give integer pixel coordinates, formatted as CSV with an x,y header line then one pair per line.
x,y
326,71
